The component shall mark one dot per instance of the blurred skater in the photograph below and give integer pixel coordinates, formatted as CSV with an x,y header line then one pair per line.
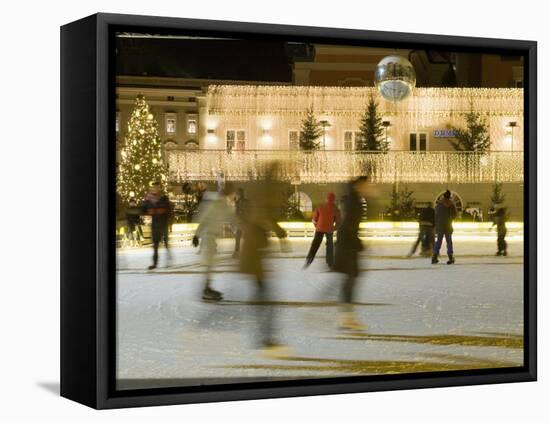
x,y
499,220
240,205
214,214
157,206
326,219
445,212
258,220
348,247
133,223
426,222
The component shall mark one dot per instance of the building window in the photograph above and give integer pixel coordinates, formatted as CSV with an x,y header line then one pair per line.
x,y
351,140
170,122
230,140
293,139
418,141
241,140
235,140
348,140
301,201
192,126
117,122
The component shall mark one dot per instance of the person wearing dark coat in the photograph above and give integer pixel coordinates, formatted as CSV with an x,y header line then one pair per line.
x,y
133,221
445,212
158,206
426,222
499,220
348,247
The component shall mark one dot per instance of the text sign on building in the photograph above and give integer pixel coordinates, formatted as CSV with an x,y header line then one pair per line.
x,y
444,133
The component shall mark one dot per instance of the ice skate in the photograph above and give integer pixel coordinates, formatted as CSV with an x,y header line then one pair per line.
x,y
451,260
350,323
276,351
152,267
210,294
434,259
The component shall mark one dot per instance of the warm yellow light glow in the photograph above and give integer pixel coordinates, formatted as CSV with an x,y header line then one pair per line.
x,y
212,122
326,141
211,138
460,227
184,227
266,124
404,225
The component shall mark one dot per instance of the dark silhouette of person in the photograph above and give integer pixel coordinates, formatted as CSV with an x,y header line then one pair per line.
x,y
157,205
445,212
348,247
499,220
426,222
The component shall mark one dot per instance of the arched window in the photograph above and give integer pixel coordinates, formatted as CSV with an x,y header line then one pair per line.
x,y
302,201
457,199
191,145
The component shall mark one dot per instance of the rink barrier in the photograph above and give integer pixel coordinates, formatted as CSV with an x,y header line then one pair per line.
x,y
182,233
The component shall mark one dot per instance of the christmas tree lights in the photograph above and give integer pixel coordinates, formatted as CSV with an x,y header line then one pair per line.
x,y
141,158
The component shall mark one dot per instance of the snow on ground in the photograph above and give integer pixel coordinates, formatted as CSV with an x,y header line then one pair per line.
x,y
420,317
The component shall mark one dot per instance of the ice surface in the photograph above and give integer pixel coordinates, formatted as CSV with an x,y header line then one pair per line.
x,y
420,317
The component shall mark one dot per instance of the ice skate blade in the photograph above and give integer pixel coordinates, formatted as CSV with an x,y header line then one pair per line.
x,y
212,299
355,328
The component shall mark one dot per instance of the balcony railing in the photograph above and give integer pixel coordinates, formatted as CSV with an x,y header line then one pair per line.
x,y
340,166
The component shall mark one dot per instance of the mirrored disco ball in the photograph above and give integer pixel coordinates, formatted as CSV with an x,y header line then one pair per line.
x,y
395,78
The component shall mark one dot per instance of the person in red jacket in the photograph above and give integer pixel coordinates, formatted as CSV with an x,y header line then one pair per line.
x,y
326,219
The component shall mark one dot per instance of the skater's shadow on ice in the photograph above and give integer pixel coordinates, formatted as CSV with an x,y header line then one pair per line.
x,y
51,387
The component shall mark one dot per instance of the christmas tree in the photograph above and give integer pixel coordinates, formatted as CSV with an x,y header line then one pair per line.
x,y
141,158
371,129
475,136
311,131
401,204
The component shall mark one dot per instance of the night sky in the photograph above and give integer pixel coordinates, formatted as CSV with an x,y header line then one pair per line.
x,y
267,61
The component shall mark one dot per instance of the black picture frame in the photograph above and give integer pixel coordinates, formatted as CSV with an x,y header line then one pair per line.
x,y
87,207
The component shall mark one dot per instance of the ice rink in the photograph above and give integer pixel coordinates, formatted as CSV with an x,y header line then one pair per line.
x,y
420,317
